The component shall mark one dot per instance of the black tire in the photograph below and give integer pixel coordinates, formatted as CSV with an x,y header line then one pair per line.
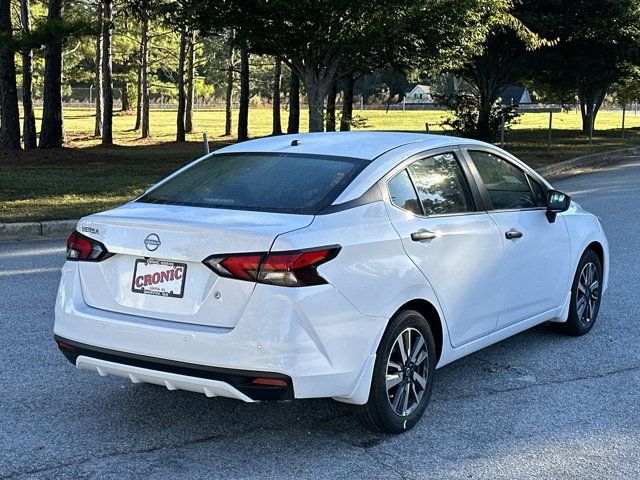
x,y
581,321
378,414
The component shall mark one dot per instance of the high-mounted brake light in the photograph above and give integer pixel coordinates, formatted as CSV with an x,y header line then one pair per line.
x,y
84,248
286,269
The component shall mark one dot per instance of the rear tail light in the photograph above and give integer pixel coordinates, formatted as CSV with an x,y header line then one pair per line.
x,y
84,248
286,269
295,269
244,267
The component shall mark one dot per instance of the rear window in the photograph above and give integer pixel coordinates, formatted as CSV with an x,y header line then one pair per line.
x,y
288,183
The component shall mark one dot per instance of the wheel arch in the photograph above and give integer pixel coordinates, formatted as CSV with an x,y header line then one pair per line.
x,y
598,249
430,313
586,233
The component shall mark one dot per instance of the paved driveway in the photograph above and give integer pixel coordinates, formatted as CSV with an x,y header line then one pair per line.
x,y
537,405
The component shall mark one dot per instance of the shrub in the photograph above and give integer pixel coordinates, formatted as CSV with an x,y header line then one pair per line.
x,y
467,119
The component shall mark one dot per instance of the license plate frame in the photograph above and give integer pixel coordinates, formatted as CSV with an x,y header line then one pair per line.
x,y
160,267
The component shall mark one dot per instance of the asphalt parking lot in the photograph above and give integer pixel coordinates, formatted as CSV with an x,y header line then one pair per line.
x,y
537,405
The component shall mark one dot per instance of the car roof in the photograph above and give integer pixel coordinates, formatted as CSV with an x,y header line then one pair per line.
x,y
366,145
383,149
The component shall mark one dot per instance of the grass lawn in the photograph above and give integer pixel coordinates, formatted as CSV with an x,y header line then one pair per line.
x,y
83,177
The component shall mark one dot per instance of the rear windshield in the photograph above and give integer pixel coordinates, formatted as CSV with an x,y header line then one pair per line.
x,y
288,183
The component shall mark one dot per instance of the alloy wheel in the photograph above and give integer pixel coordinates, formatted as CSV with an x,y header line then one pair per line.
x,y
588,293
407,372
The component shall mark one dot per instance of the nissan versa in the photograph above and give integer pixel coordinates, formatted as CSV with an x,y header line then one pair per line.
x,y
343,265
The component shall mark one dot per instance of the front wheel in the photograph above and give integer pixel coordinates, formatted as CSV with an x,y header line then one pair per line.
x,y
402,375
585,297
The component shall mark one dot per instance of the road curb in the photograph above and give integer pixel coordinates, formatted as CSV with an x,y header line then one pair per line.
x,y
62,228
35,230
561,168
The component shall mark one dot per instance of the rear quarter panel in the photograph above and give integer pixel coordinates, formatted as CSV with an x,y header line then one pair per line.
x,y
372,270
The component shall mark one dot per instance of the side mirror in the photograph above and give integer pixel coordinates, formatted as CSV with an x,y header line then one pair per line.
x,y
556,202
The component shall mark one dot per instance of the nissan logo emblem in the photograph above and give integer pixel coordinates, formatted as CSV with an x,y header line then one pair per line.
x,y
152,242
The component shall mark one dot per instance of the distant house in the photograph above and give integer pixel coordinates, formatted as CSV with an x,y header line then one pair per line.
x,y
515,94
418,94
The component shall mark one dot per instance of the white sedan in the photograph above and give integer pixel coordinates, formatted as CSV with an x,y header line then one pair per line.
x,y
343,265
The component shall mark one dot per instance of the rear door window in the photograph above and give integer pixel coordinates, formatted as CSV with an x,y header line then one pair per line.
x,y
288,183
441,185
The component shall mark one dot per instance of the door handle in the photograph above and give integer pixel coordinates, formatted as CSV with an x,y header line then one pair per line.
x,y
422,234
511,234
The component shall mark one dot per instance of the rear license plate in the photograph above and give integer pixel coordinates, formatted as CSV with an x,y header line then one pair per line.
x,y
158,277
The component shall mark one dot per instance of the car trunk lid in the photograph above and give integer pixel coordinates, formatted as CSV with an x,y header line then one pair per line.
x,y
157,271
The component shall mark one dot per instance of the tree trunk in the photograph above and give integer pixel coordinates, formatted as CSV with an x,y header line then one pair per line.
x,y
317,82
139,93
489,83
228,123
315,99
98,72
107,82
180,130
347,104
124,97
294,104
316,92
9,112
243,113
29,129
331,106
590,102
144,82
483,129
586,111
277,77
191,86
52,129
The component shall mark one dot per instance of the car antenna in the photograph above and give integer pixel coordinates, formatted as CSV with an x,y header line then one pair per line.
x,y
295,143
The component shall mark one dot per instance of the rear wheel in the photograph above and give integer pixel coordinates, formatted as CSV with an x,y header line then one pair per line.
x,y
402,377
585,297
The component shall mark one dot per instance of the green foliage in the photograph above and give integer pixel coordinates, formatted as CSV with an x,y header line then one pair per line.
x,y
627,89
43,31
501,60
468,24
561,49
357,122
465,109
597,40
359,35
312,34
66,30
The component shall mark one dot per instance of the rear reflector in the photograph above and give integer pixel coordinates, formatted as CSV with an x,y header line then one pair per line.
x,y
64,346
270,382
80,247
286,269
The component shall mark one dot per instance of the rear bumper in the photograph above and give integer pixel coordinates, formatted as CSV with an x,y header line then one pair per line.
x,y
312,337
174,375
